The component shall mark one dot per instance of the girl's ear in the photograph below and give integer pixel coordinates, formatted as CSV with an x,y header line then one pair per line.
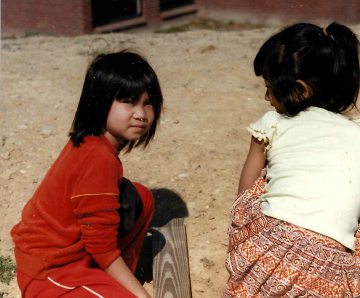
x,y
305,89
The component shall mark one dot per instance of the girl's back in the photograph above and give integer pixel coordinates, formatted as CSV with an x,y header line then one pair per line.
x,y
312,166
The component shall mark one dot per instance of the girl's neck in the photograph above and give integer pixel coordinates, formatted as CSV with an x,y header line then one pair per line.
x,y
114,141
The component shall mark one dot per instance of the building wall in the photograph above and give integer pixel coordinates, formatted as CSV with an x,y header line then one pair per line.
x,y
73,17
60,17
151,11
340,10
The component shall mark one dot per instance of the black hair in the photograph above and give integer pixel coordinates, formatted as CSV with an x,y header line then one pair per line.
x,y
326,60
115,76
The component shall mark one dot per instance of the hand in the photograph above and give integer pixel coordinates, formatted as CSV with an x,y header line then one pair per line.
x,y
121,272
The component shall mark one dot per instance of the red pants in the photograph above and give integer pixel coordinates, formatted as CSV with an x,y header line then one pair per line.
x,y
82,279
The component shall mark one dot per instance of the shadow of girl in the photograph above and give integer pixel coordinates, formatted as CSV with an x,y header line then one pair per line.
x,y
168,205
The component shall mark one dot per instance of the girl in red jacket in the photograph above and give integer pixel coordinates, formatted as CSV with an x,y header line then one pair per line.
x,y
81,233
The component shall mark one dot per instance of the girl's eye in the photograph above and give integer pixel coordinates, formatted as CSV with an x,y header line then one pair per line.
x,y
127,101
148,103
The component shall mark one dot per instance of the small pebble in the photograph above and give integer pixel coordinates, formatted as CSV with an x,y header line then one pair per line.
x,y
183,175
5,156
211,217
47,131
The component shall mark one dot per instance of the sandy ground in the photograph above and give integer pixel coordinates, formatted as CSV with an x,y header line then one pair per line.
x,y
211,94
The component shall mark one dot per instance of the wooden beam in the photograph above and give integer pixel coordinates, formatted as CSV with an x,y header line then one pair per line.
x,y
178,11
120,25
171,273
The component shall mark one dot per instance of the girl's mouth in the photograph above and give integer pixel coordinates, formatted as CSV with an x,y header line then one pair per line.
x,y
139,126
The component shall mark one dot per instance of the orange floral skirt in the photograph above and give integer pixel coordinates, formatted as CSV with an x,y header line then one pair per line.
x,y
268,257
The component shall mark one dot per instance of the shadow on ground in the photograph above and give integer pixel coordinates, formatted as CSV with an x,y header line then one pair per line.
x,y
168,205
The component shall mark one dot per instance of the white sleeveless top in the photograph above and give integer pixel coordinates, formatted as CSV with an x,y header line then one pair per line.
x,y
313,171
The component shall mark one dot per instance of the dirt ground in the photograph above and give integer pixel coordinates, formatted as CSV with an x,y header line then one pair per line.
x,y
211,95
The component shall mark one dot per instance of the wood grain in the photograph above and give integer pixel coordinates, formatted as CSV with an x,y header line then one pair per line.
x,y
171,265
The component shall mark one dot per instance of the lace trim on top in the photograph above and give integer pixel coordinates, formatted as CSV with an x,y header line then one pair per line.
x,y
262,135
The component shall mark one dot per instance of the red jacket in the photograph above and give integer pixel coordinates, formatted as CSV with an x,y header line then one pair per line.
x,y
73,212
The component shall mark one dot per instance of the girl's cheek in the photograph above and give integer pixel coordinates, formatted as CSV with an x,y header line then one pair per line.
x,y
151,115
150,110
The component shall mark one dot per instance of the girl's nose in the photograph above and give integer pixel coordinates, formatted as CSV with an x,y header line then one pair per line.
x,y
139,112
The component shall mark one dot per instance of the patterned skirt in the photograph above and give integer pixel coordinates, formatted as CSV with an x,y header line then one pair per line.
x,y
268,257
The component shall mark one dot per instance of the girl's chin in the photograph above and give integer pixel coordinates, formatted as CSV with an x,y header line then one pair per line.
x,y
133,139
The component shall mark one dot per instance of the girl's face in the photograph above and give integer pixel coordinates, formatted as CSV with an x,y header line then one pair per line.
x,y
129,120
269,96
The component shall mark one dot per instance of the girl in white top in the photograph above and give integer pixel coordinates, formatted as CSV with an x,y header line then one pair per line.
x,y
294,228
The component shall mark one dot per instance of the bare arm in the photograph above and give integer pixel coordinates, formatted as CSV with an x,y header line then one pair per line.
x,y
255,161
121,272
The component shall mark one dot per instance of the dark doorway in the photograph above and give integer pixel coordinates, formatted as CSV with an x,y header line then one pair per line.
x,y
110,11
171,4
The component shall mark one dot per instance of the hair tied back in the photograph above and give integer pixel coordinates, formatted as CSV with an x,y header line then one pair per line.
x,y
326,34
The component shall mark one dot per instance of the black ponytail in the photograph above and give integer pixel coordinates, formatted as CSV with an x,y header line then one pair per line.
x,y
346,66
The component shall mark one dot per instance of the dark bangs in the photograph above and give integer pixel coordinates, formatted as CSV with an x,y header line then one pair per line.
x,y
135,76
267,58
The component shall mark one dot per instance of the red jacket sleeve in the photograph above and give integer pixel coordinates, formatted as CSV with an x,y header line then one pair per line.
x,y
95,200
